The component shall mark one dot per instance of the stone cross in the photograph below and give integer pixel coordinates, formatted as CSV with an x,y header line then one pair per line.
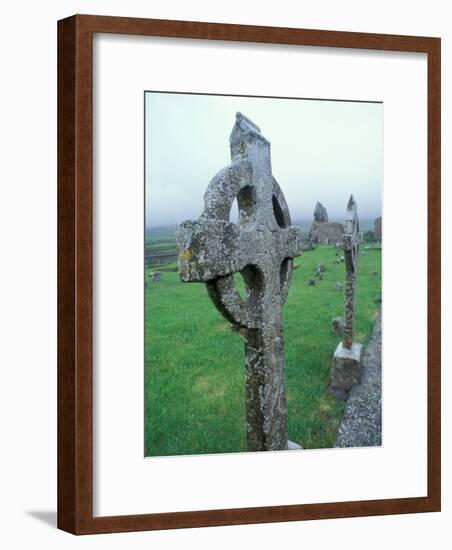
x,y
351,248
347,357
261,246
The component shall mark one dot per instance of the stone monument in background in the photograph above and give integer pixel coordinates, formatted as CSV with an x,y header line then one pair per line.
x,y
322,231
261,246
377,229
320,213
346,367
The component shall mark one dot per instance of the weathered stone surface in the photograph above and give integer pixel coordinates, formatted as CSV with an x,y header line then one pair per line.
x,y
345,371
322,231
346,366
377,229
361,422
320,213
311,282
326,232
291,446
261,246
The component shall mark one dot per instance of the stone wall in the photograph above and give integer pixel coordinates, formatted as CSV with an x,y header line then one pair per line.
x,y
326,232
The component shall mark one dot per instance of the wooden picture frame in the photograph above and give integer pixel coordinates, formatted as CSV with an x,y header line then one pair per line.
x,y
75,274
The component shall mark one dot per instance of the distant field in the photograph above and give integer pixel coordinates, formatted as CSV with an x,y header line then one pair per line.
x,y
194,363
159,239
162,239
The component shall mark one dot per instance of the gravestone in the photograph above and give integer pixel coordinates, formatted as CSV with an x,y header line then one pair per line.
x,y
261,246
320,213
347,357
337,325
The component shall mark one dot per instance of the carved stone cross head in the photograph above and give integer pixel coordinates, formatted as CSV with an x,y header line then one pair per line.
x,y
261,246
351,234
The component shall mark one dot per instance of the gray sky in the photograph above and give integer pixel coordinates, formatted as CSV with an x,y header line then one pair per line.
x,y
321,151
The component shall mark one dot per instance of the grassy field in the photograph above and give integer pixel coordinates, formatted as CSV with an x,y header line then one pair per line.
x,y
159,239
194,363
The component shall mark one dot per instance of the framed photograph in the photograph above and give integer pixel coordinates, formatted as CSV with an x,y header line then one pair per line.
x,y
249,274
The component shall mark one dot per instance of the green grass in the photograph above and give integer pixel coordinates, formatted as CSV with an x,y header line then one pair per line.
x,y
194,363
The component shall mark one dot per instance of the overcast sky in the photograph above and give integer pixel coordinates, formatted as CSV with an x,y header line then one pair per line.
x,y
321,151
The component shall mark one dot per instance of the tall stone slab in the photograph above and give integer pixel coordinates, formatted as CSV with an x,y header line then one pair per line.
x,y
377,229
347,357
320,213
261,246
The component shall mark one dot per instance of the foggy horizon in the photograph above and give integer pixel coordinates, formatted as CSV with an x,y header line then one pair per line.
x,y
321,151
298,222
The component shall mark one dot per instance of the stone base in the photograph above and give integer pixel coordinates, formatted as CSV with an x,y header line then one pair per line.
x,y
361,423
346,370
291,446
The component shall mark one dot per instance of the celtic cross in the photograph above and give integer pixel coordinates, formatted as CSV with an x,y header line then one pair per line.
x,y
351,247
346,368
261,246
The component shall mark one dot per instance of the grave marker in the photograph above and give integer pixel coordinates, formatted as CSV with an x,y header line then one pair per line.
x,y
347,357
261,246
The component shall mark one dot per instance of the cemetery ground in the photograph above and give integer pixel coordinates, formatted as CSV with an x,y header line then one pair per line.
x,y
194,362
